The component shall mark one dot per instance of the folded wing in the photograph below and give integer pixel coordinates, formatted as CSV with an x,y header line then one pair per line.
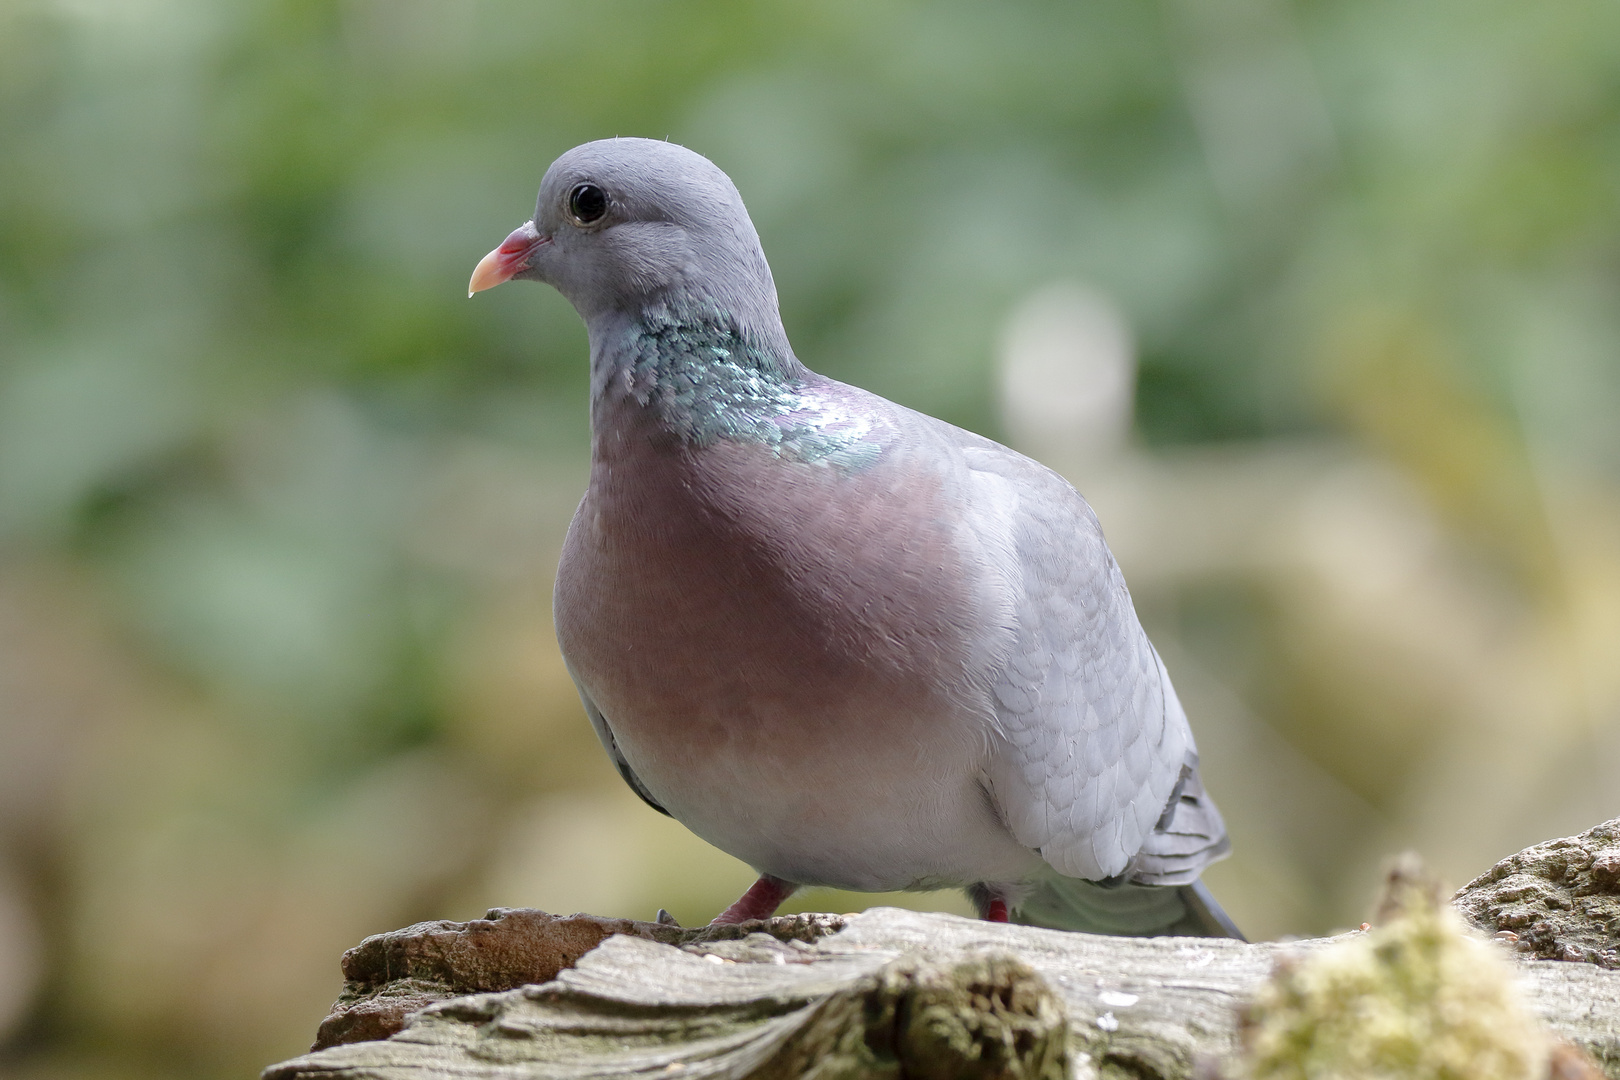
x,y
1094,765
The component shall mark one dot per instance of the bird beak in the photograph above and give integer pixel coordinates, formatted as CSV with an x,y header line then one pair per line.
x,y
509,259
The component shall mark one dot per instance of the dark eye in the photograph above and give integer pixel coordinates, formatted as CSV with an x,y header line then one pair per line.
x,y
587,203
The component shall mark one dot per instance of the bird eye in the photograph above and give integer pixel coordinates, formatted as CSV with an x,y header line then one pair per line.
x,y
587,203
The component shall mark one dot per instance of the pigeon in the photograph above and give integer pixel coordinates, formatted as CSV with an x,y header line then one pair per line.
x,y
848,643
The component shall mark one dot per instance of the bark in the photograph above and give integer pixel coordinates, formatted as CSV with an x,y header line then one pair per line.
x,y
1558,901
888,993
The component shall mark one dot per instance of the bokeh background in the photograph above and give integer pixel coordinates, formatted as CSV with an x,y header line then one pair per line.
x,y
1318,302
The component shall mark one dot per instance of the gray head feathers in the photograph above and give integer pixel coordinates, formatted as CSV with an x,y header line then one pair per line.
x,y
674,238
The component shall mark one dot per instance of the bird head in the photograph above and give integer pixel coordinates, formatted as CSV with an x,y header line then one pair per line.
x,y
625,226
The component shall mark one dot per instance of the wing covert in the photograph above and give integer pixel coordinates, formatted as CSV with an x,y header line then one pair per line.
x,y
1092,738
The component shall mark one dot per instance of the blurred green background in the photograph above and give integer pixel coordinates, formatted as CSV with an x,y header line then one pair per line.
x,y
1316,301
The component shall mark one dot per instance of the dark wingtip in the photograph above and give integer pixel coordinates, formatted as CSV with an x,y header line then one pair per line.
x,y
1206,911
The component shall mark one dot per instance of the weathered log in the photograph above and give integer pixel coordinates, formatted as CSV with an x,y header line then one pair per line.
x,y
389,976
888,993
1559,900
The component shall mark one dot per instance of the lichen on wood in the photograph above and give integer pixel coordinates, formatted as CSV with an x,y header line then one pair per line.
x,y
985,1015
888,993
1416,998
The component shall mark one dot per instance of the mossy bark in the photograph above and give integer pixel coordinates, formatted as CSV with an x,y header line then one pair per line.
x,y
888,993
895,993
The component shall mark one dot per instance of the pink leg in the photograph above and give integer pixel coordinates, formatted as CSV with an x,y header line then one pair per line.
x,y
759,902
990,900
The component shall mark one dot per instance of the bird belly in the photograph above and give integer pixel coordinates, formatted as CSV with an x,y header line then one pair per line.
x,y
845,813
797,690
826,795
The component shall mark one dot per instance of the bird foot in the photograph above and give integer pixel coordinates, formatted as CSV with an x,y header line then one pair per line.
x,y
666,919
991,901
759,902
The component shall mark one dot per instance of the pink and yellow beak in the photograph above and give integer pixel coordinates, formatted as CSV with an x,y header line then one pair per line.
x,y
506,261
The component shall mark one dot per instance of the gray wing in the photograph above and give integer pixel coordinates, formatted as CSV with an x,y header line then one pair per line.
x,y
603,732
1093,752
1188,837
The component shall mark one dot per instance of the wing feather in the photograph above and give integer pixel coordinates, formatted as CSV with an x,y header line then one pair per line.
x,y
1093,740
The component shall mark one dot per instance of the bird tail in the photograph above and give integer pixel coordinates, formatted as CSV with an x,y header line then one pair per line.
x,y
1126,909
1159,893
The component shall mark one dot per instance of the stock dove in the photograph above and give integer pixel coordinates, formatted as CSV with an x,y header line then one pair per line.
x,y
848,643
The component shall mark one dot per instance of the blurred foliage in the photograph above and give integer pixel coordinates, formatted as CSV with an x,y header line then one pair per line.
x,y
279,506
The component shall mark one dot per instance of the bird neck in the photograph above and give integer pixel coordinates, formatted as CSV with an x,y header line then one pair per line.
x,y
695,373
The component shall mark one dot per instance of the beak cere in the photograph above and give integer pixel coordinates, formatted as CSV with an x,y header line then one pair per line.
x,y
508,259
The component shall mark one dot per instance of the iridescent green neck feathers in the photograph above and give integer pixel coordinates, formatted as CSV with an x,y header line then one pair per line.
x,y
704,381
